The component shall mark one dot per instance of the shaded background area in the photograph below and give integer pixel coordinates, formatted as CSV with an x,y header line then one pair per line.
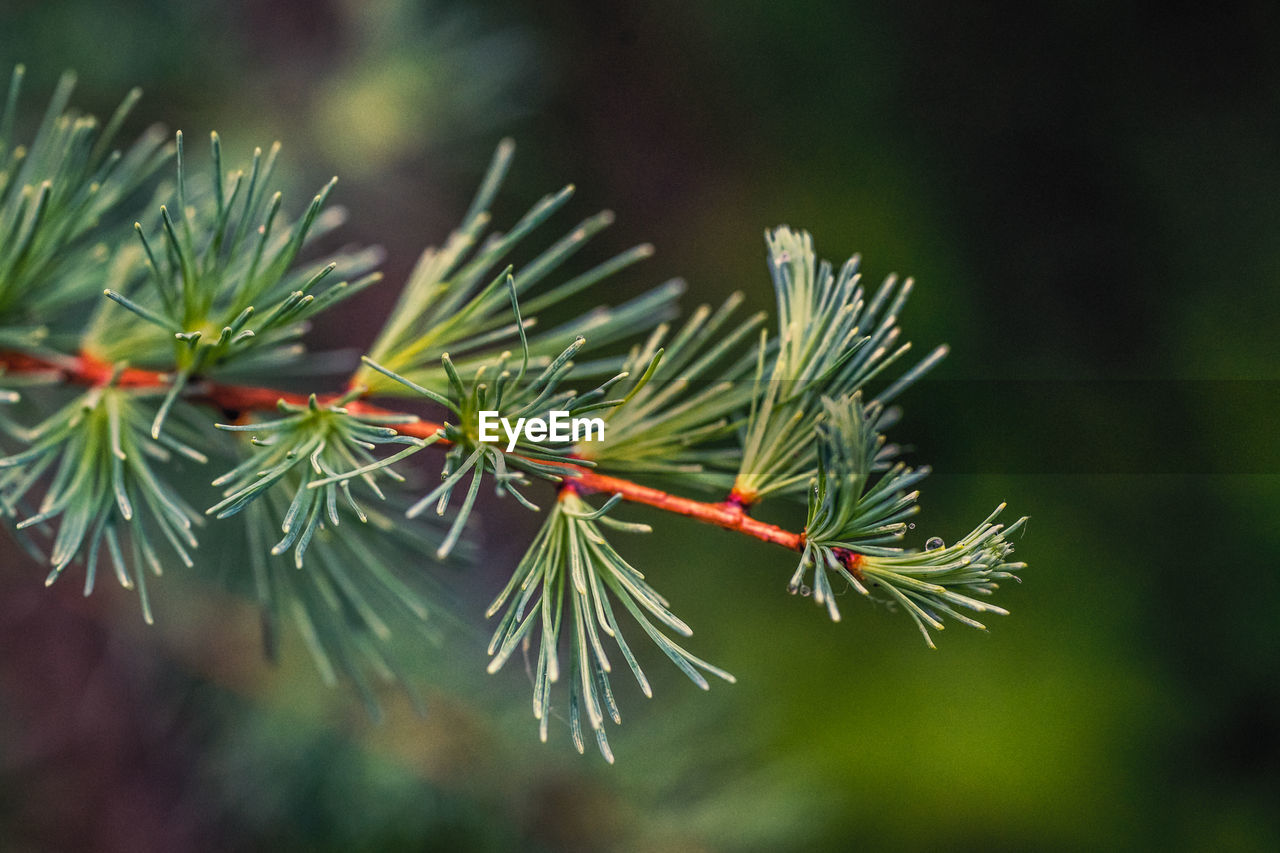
x,y
1086,192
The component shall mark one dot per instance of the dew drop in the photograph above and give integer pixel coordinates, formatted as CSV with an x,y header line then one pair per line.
x,y
934,543
911,526
805,591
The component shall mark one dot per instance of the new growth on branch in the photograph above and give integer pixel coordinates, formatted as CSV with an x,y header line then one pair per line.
x,y
170,378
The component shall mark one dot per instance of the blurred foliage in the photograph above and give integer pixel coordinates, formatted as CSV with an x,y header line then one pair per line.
x,y
1085,190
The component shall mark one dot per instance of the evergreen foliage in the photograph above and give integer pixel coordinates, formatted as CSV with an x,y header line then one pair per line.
x,y
216,286
570,558
58,195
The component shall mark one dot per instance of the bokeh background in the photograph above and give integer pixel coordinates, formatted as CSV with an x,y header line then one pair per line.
x,y
1089,196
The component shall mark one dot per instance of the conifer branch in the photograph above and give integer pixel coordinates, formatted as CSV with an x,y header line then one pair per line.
x,y
239,399
210,298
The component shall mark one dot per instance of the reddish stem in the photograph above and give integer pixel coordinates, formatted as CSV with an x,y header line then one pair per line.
x,y
730,515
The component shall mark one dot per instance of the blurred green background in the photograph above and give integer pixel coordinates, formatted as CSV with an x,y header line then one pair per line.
x,y
1089,196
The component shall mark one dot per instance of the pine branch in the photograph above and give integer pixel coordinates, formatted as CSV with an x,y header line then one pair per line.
x,y
218,290
85,370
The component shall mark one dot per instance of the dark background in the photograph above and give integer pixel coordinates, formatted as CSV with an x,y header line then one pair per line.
x,y
1089,196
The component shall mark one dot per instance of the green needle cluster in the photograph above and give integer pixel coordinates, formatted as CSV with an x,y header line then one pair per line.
x,y
859,505
319,445
832,341
456,299
102,487
60,196
571,562
514,393
224,284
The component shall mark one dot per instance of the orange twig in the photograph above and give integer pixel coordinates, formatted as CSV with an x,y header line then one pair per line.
x,y
730,514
